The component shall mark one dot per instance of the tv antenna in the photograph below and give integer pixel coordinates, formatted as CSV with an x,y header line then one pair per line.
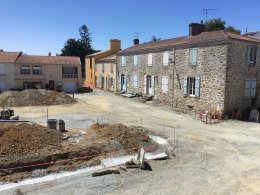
x,y
137,34
208,11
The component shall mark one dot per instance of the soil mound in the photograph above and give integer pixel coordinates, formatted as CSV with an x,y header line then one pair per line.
x,y
27,139
34,97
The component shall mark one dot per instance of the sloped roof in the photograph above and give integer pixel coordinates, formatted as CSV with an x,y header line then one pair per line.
x,y
110,58
97,53
203,37
9,57
53,60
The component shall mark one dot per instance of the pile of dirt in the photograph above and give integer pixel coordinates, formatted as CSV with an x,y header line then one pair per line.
x,y
27,139
128,137
34,97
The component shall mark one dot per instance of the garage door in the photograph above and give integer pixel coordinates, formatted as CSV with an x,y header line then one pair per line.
x,y
2,86
70,87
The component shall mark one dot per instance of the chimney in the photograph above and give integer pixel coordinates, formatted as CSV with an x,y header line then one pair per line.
x,y
196,29
115,45
49,53
136,41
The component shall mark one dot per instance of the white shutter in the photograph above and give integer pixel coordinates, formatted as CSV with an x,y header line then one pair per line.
x,y
125,84
165,58
150,59
164,84
135,60
123,60
194,59
2,69
253,88
257,55
184,86
120,82
191,56
135,81
197,87
145,79
247,87
152,85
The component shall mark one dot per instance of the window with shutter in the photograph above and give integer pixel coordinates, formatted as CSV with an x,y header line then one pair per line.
x,y
123,60
193,56
150,59
250,88
253,88
247,87
197,87
2,69
135,60
165,58
135,81
145,81
251,55
184,86
164,84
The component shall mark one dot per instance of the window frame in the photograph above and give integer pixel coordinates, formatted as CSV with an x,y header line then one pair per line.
x,y
135,59
165,86
25,69
251,88
251,52
150,59
123,60
193,54
165,63
37,71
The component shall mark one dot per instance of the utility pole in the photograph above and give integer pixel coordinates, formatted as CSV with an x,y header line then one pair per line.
x,y
207,11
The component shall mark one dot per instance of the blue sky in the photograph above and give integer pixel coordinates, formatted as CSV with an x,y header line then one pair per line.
x,y
39,26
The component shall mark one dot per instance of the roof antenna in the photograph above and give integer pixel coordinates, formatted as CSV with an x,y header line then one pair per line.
x,y
137,34
246,30
207,11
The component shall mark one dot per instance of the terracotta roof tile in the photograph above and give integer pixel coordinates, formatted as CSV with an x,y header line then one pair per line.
x,y
203,37
9,57
52,60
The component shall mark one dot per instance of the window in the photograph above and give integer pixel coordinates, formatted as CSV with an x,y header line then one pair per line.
x,y
25,69
135,81
191,86
164,84
123,60
2,69
111,82
37,70
135,60
250,87
251,55
103,67
193,56
111,67
32,85
90,63
69,70
150,59
165,58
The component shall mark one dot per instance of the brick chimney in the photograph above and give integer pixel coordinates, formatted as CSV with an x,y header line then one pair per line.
x,y
136,41
196,29
115,45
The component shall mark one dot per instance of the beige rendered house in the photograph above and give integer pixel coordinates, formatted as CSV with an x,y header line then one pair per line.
x,y
46,72
7,60
105,73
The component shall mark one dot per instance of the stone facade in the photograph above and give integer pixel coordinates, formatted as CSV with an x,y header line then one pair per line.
x,y
220,68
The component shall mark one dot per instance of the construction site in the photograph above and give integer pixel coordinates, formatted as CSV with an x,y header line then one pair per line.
x,y
100,134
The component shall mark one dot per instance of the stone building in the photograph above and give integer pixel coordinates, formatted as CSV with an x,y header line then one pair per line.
x,y
214,71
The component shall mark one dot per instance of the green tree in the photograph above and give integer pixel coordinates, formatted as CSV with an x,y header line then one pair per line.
x,y
233,30
215,24
155,39
79,47
1,50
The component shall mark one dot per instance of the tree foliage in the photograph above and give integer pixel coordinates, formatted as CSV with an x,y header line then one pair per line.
x,y
218,24
1,50
79,47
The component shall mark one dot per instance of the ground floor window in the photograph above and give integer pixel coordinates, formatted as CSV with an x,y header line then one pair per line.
x,y
164,84
32,85
135,81
191,86
250,87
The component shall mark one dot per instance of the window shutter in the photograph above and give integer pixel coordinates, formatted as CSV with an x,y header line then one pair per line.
x,y
253,88
164,84
125,84
123,60
248,55
135,81
165,58
247,87
135,60
194,59
150,59
197,87
257,55
184,87
145,79
152,84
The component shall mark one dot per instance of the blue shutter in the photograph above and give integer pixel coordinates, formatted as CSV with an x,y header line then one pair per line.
x,y
247,87
197,87
191,56
253,88
184,86
194,59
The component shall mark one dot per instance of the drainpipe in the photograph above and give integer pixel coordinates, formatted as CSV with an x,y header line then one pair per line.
x,y
173,75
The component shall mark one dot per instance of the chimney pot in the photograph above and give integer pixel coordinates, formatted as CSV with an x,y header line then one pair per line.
x,y
136,41
196,29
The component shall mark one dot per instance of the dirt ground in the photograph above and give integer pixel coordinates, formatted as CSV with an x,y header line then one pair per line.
x,y
223,158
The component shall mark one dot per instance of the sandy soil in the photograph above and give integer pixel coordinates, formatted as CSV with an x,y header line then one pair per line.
x,y
222,158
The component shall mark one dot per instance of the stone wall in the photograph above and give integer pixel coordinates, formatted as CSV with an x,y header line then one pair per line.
x,y
210,68
237,72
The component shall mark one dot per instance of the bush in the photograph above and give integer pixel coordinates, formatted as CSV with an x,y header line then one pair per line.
x,y
85,90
